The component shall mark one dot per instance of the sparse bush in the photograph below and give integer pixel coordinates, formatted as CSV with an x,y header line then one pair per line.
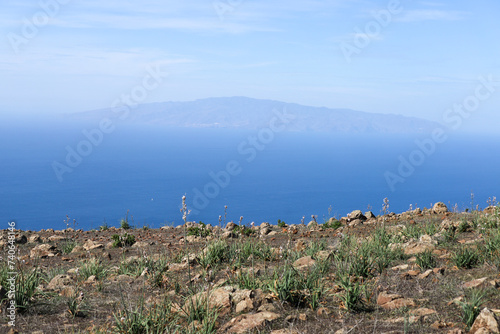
x,y
124,240
466,258
215,253
199,231
197,308
124,224
315,247
67,246
426,260
92,267
352,297
26,288
154,319
471,307
281,224
335,224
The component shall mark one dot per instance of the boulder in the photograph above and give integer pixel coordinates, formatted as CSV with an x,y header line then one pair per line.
x,y
357,214
248,322
60,282
485,322
44,250
304,263
89,245
439,208
393,301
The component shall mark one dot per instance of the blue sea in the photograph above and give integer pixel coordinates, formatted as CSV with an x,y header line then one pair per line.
x,y
143,172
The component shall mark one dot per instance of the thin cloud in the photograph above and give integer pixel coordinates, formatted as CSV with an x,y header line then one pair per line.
x,y
430,15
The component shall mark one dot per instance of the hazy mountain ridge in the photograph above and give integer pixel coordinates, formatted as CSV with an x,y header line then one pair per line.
x,y
248,113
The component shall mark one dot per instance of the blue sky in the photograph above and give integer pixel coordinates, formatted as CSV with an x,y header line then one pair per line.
x,y
418,59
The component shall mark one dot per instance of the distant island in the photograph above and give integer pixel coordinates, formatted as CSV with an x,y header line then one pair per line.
x,y
249,113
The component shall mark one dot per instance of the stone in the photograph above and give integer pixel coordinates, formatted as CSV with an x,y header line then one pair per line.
x,y
425,243
439,208
400,267
44,250
490,209
393,301
34,238
300,245
323,255
60,282
245,305
229,235
248,322
304,263
68,292
285,331
265,230
89,245
355,222
423,312
55,238
77,249
475,283
384,297
425,274
21,239
369,215
398,303
357,214
485,323
312,224
141,244
230,226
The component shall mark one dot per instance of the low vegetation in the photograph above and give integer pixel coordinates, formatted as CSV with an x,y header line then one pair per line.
x,y
411,273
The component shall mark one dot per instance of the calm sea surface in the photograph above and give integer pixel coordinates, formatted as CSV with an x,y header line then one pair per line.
x,y
146,171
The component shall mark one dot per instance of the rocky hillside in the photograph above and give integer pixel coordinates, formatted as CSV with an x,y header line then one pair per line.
x,y
422,271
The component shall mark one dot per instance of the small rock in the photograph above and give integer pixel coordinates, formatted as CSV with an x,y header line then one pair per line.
x,y
230,226
439,208
400,267
304,263
423,312
245,305
485,323
34,238
44,250
60,282
265,230
312,224
89,245
475,283
248,322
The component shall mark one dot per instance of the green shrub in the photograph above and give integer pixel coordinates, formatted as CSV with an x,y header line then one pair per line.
x,y
466,258
154,319
281,223
124,224
199,231
352,296
123,240
26,288
335,224
67,246
426,260
215,253
92,267
471,307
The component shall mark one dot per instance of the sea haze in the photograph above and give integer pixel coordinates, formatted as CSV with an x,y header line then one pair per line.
x,y
146,170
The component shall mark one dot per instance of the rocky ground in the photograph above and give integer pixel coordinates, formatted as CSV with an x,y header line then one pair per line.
x,y
422,271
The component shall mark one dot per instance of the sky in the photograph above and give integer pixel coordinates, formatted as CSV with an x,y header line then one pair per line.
x,y
415,58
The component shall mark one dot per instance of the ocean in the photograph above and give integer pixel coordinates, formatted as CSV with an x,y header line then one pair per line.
x,y
143,172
